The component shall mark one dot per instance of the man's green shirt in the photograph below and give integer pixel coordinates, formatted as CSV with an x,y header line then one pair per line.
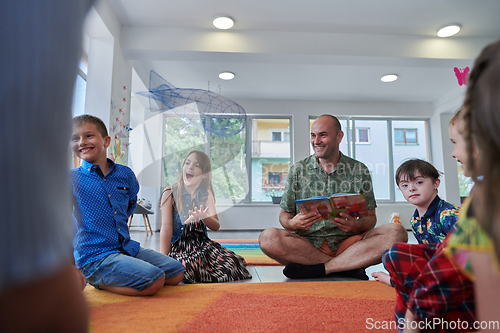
x,y
308,179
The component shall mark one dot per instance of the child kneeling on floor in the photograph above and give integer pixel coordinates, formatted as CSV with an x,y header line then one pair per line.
x,y
105,194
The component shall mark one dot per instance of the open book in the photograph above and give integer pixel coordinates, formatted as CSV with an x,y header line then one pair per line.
x,y
330,207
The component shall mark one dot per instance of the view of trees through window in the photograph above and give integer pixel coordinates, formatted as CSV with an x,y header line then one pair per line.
x,y
227,154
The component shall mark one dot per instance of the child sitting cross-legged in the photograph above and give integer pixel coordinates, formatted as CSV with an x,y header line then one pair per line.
x,y
434,218
188,209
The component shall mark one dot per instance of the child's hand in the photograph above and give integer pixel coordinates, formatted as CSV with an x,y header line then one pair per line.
x,y
198,214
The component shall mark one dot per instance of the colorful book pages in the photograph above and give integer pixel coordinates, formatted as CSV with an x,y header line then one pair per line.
x,y
354,204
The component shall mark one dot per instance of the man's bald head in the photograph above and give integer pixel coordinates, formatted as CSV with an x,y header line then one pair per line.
x,y
329,118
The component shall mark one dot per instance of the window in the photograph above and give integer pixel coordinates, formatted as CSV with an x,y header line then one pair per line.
x,y
237,176
78,107
227,154
362,135
413,131
270,160
280,135
465,183
389,154
403,136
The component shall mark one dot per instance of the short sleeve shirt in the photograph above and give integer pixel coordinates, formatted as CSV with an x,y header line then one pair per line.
x,y
308,179
439,220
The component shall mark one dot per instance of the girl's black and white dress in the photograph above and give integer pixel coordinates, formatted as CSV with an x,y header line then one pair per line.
x,y
205,261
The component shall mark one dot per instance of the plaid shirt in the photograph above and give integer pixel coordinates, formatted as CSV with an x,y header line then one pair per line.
x,y
308,179
429,284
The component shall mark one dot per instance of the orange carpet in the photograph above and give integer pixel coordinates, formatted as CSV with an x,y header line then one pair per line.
x,y
338,306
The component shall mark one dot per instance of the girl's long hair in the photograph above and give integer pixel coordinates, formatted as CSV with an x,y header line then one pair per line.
x,y
206,183
481,126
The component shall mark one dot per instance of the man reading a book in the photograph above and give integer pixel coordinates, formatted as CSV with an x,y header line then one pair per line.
x,y
313,246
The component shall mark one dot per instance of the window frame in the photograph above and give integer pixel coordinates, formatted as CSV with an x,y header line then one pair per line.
x,y
406,143
357,136
278,130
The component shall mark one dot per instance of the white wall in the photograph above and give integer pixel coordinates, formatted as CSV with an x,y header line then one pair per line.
x,y
255,216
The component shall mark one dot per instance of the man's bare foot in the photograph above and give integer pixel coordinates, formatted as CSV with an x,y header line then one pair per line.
x,y
382,277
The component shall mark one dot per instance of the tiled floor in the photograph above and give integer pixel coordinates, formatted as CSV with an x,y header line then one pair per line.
x,y
259,273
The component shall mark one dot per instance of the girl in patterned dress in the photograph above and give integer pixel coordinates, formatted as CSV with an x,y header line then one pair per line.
x,y
188,208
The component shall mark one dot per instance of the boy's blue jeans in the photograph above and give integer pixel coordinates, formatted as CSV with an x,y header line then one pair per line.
x,y
139,272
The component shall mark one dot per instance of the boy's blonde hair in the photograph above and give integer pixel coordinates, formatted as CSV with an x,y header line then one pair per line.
x,y
87,118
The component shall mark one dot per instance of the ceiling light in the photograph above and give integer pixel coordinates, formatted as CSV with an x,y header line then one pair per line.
x,y
223,22
389,78
226,75
449,30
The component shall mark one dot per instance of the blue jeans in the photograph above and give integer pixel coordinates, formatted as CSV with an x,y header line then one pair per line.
x,y
139,272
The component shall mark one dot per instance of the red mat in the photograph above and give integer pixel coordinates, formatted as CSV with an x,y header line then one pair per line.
x,y
280,313
333,306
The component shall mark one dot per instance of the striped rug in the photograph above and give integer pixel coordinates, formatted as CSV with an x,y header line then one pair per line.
x,y
292,307
248,249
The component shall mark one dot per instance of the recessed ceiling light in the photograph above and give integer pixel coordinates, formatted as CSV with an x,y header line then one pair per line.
x,y
226,75
389,78
448,30
223,22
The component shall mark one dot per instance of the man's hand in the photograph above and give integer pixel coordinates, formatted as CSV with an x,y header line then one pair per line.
x,y
348,223
303,221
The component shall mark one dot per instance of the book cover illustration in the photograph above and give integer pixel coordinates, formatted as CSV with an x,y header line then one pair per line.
x,y
330,207
319,205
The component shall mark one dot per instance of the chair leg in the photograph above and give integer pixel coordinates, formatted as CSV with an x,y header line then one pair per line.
x,y
145,225
147,216
130,221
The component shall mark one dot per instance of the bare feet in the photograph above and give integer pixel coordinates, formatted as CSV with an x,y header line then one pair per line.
x,y
382,277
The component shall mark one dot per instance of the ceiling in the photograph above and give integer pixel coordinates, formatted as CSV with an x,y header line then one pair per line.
x,y
308,50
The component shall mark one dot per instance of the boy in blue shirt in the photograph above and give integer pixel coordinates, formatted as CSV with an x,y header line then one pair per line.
x,y
434,218
105,194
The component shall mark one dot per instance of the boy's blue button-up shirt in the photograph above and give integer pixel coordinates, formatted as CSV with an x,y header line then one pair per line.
x,y
439,219
101,208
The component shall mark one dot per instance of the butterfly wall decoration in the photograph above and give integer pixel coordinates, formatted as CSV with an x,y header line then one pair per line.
x,y
462,75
